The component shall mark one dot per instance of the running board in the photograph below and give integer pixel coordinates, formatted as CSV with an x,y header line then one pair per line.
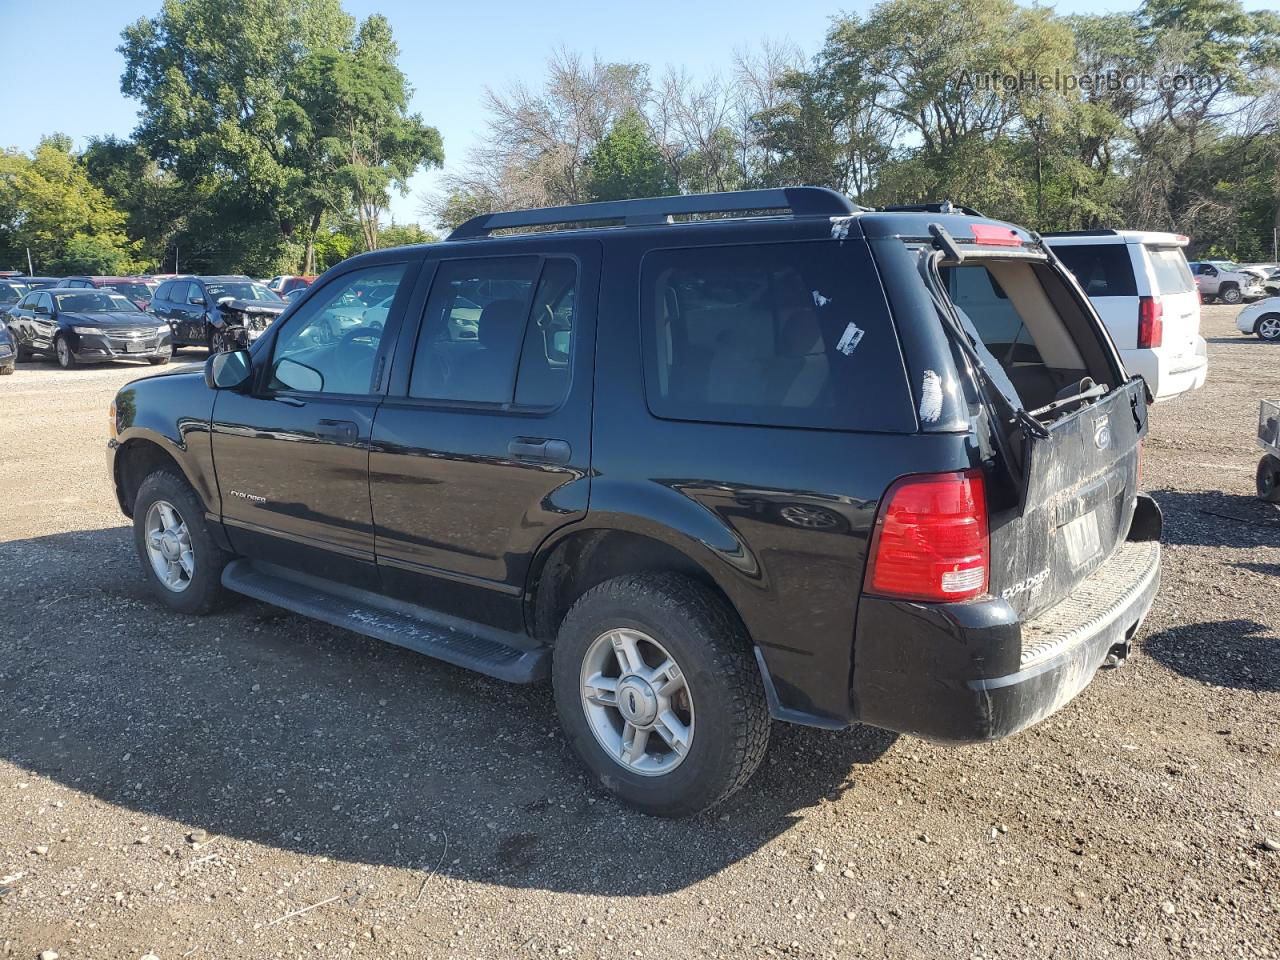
x,y
448,639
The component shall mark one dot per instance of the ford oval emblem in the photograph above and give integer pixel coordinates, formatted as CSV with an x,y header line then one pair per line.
x,y
1102,434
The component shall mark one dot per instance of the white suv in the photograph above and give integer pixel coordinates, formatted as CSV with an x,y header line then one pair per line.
x,y
1141,286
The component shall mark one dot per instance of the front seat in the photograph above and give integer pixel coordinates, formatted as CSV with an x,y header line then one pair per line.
x,y
487,373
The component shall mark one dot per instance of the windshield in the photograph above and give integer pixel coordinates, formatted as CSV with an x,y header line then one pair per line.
x,y
94,301
11,292
136,290
244,290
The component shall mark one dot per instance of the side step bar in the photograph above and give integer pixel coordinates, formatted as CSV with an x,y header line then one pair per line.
x,y
448,639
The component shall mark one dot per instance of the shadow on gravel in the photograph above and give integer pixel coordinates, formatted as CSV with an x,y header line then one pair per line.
x,y
1227,653
256,725
1215,519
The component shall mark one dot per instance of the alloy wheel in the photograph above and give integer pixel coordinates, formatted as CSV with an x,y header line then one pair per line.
x,y
1269,328
169,546
636,699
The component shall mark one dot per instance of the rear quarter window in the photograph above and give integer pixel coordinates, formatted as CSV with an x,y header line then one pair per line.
x,y
1103,269
785,335
1169,266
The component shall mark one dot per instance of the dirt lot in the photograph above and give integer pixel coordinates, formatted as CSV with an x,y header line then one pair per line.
x,y
255,785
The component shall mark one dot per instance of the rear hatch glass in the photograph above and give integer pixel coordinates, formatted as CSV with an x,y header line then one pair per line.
x,y
1179,301
1073,457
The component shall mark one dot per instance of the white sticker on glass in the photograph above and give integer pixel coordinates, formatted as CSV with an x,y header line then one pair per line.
x,y
850,339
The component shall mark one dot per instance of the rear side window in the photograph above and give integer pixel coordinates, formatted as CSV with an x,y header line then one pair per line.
x,y
497,330
1103,269
1171,271
791,335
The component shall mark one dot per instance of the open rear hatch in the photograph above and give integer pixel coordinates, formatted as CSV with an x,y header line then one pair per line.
x,y
1063,423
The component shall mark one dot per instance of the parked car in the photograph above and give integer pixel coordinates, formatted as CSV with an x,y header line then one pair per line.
x,y
1225,281
1262,317
38,283
216,312
699,474
288,284
77,325
1268,275
11,291
8,351
138,289
1140,284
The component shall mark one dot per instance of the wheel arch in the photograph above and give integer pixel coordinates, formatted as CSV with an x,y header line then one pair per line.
x,y
580,557
138,457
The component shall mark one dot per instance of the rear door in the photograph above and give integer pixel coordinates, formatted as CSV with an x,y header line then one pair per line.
x,y
1073,490
483,446
1175,288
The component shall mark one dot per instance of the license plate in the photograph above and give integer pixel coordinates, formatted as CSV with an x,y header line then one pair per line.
x,y
134,346
1081,538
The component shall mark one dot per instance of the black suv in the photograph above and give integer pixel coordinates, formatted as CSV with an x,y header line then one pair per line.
x,y
798,460
220,313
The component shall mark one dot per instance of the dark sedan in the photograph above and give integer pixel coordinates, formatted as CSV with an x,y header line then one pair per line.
x,y
8,355
87,326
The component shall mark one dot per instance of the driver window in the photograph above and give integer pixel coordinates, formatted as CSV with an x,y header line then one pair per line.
x,y
330,343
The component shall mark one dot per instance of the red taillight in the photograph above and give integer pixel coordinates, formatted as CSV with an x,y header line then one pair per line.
x,y
930,541
1150,322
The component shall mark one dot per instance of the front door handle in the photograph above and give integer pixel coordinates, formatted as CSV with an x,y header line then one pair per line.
x,y
539,448
341,431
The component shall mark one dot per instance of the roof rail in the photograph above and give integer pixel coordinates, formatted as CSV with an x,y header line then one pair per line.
x,y
801,201
946,206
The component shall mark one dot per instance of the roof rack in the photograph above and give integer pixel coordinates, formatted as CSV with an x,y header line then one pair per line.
x,y
801,201
946,206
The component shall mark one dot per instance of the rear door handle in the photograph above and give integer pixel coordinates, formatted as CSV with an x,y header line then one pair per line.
x,y
539,448
343,431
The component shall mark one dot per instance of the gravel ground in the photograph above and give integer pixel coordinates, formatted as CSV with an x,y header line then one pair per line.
x,y
256,785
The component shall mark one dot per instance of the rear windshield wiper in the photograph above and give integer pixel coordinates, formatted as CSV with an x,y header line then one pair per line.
x,y
1096,390
959,336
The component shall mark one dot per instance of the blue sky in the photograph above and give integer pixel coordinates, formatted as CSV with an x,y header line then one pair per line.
x,y
450,51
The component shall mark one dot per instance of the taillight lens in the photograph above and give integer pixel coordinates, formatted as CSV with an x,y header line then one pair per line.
x,y
930,541
1150,322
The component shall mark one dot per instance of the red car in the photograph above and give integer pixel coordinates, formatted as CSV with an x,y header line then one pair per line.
x,y
138,289
295,283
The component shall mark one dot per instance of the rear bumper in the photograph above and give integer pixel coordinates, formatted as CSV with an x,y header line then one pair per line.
x,y
1168,377
970,672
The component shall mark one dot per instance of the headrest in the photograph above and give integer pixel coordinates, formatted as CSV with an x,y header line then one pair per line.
x,y
801,333
501,321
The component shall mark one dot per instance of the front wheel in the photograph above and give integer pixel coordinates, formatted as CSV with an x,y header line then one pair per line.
x,y
218,342
1268,327
62,353
659,694
179,558
7,369
1230,294
157,361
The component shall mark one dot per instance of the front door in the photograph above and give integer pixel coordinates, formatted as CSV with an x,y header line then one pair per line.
x,y
292,453
482,447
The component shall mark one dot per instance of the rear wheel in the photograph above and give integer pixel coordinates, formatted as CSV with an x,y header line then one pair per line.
x,y
1268,327
179,558
659,694
1230,294
1268,479
62,353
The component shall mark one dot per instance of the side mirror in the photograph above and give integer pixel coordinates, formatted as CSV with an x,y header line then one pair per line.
x,y
298,376
42,309
196,301
226,371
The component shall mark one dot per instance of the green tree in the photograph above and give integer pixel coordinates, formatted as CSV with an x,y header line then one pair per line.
x,y
626,163
355,102
49,206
